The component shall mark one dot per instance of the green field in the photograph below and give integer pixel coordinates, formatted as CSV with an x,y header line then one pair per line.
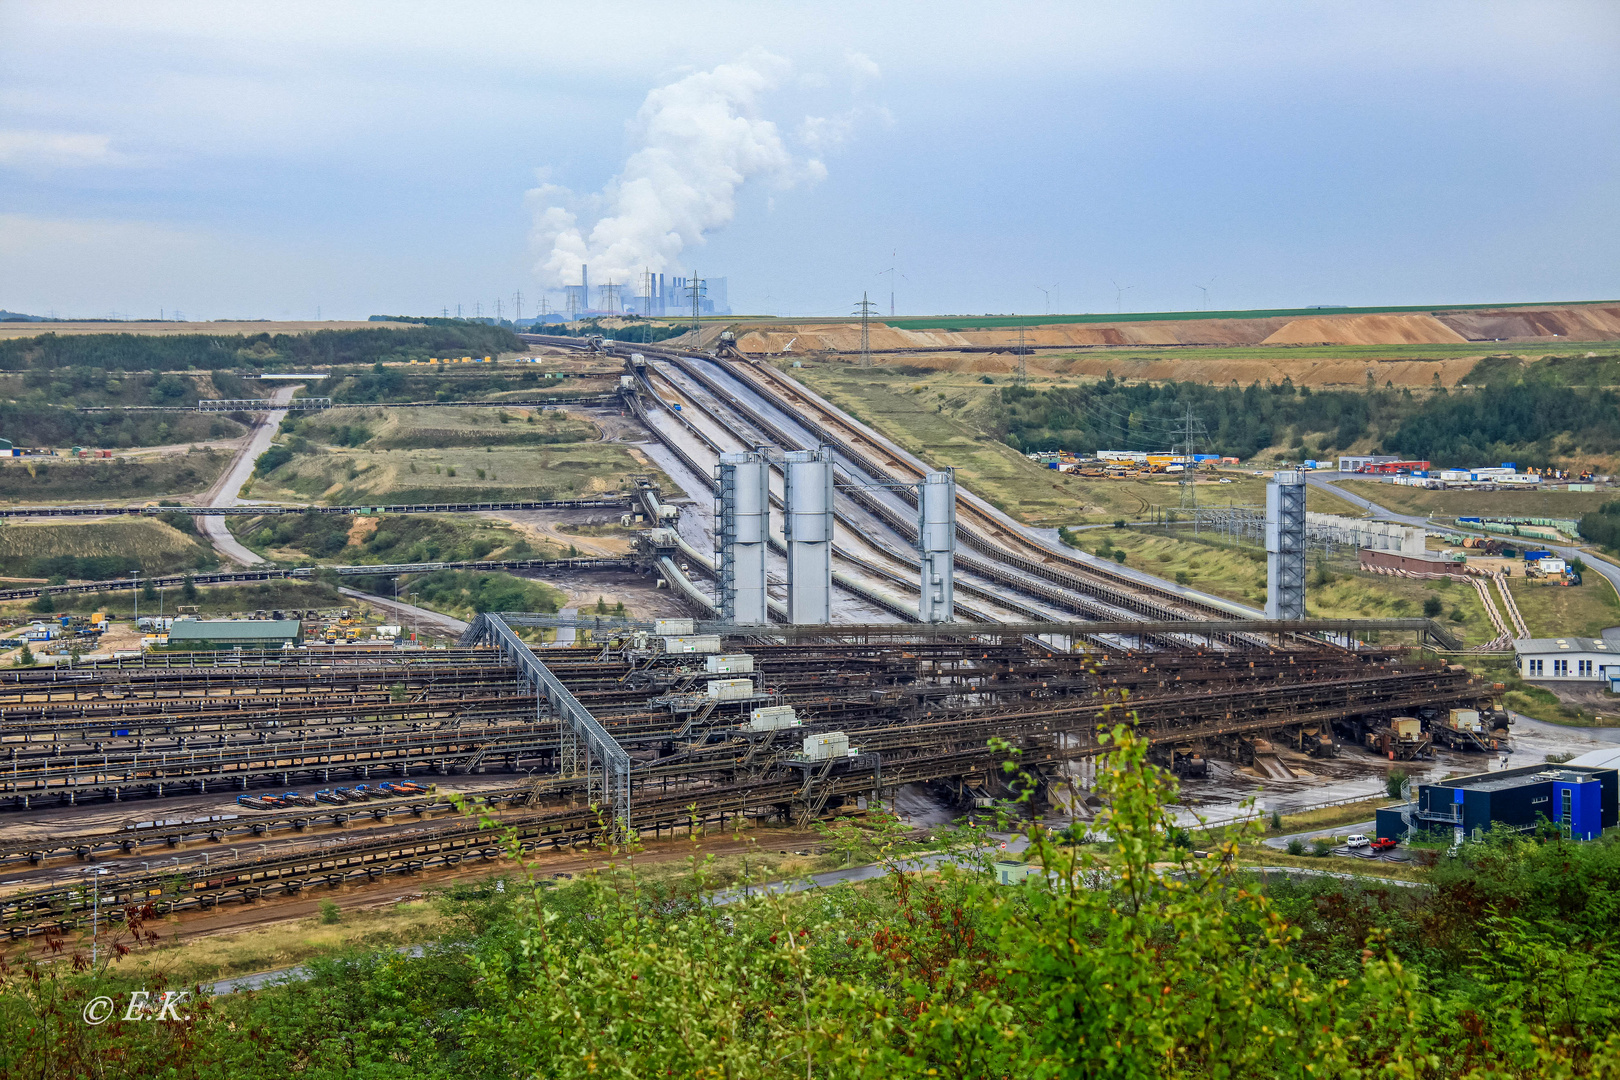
x,y
1411,500
1583,610
31,480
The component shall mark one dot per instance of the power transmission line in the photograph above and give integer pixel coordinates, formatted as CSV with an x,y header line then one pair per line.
x,y
1022,377
1192,434
864,310
698,286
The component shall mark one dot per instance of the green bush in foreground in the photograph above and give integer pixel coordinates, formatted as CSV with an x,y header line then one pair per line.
x,y
1130,959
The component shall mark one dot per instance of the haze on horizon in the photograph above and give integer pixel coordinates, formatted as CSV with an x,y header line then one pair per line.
x,y
373,158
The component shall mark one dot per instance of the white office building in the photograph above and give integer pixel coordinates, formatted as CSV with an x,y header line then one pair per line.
x,y
1562,659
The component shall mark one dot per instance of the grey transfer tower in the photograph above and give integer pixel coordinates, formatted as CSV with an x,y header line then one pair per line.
x,y
936,543
1285,546
744,531
808,530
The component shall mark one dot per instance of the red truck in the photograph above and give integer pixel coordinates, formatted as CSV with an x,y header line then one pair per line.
x,y
1384,843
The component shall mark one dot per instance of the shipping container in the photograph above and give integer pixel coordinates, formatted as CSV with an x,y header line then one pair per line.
x,y
826,745
693,644
773,718
730,689
729,664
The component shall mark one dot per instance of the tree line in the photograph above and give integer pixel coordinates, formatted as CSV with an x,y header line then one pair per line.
x,y
211,351
1537,420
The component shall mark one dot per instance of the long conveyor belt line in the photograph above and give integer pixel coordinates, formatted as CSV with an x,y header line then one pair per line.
x,y
1094,600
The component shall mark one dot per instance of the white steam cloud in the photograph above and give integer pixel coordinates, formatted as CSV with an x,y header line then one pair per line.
x,y
700,140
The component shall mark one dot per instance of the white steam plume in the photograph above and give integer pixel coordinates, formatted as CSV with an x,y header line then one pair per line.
x,y
700,139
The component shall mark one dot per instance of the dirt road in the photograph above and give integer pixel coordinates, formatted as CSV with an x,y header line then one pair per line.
x,y
225,491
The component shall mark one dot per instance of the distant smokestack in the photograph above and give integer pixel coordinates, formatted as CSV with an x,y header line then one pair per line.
x,y
585,284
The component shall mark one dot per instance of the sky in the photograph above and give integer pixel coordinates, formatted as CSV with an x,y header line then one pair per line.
x,y
338,160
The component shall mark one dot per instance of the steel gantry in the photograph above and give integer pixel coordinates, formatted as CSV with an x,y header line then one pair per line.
x,y
587,748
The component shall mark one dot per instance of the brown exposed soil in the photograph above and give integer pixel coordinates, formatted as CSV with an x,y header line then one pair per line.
x,y
1574,323
1365,330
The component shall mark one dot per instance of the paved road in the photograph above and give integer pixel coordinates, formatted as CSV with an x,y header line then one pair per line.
x,y
410,615
1327,482
224,493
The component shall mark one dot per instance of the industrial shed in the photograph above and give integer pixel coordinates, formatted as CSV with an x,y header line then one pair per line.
x,y
246,633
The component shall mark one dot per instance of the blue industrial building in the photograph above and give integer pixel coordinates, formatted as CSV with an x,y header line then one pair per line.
x,y
1581,800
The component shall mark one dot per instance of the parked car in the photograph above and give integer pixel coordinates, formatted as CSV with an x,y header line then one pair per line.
x,y
1385,843
1356,840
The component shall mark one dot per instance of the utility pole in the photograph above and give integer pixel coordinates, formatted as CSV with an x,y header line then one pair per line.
x,y
1022,378
864,310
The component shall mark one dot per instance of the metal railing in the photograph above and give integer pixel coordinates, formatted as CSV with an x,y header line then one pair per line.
x,y
606,763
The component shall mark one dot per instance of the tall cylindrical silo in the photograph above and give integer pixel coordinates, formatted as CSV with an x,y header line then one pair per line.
x,y
808,530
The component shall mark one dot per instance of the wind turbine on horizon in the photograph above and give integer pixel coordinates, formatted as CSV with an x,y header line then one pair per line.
x,y
1205,290
1119,296
891,271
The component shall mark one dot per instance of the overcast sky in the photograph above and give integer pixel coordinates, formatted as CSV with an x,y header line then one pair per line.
x,y
275,159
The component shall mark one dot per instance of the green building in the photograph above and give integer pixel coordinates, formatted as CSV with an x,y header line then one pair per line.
x,y
233,633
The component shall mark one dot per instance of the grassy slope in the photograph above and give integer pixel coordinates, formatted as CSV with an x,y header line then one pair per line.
x,y
160,547
211,600
66,480
1577,611
513,469
395,538
1240,574
934,415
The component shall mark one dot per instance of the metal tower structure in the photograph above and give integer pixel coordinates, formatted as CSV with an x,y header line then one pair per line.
x,y
864,310
936,543
743,512
1193,434
1022,377
808,530
1285,546
696,284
